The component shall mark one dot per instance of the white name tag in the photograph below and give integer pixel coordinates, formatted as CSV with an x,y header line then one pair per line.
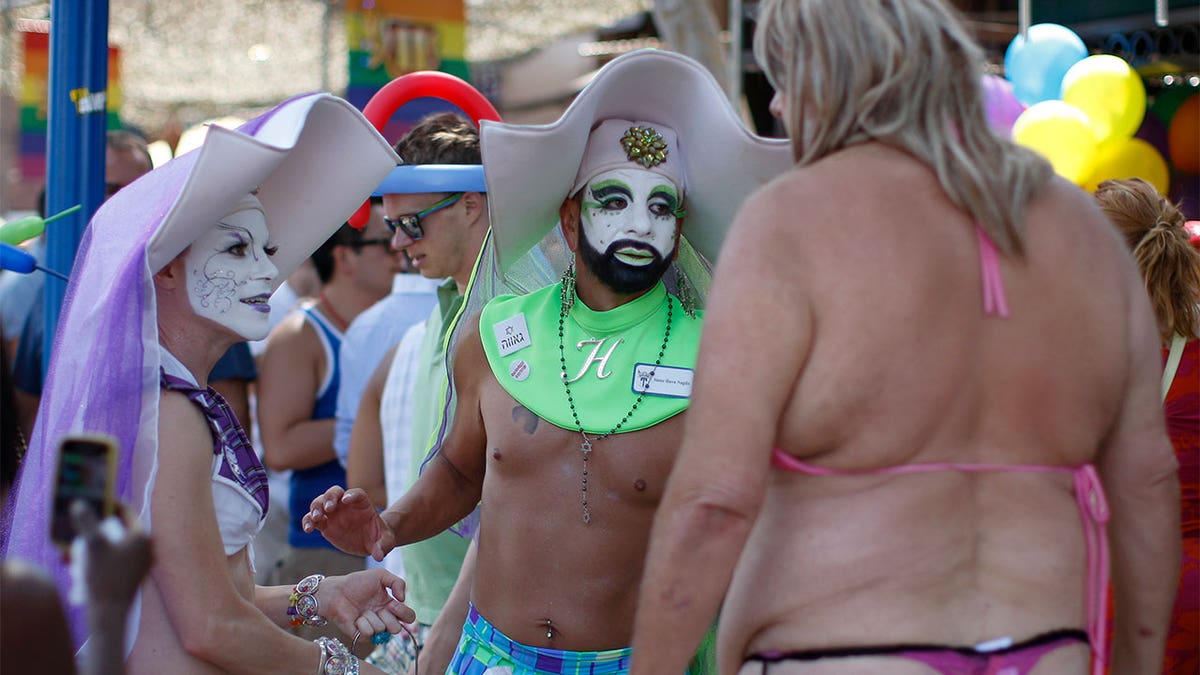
x,y
662,380
512,335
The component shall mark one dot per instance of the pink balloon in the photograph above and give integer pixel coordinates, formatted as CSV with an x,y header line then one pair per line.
x,y
1000,104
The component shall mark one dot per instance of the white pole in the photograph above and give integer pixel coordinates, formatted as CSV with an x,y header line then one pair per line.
x,y
734,89
1160,13
326,22
1023,12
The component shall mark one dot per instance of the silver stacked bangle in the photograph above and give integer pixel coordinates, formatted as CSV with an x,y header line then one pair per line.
x,y
335,658
303,607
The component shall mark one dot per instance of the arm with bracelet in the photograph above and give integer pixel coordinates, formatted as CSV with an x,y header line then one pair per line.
x,y
218,615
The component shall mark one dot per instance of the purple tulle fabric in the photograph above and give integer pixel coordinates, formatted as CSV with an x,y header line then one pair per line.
x,y
105,349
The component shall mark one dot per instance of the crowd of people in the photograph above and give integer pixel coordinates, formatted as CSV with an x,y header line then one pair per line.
x,y
638,391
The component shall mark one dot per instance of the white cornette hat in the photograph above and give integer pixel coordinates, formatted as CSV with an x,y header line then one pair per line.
x,y
312,159
531,169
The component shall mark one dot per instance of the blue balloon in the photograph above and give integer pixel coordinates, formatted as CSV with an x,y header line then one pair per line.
x,y
1036,64
16,259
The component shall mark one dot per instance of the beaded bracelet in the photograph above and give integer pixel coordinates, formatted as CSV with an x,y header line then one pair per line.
x,y
335,658
377,639
303,607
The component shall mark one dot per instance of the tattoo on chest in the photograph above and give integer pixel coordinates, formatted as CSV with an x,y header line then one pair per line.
x,y
525,418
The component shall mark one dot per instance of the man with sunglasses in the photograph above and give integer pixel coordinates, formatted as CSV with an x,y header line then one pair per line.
x,y
298,387
437,210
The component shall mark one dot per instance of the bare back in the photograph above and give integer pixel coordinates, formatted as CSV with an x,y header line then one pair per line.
x,y
903,366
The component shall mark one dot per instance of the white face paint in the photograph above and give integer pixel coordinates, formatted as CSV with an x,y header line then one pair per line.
x,y
634,206
230,272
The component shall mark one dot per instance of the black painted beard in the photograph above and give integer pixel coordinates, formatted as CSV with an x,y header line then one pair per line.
x,y
617,275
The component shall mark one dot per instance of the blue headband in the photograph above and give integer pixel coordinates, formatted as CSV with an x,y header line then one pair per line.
x,y
421,178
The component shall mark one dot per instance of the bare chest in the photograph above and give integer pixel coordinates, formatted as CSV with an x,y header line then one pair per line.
x,y
523,448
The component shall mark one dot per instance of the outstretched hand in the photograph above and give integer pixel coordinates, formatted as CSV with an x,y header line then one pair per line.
x,y
350,522
366,602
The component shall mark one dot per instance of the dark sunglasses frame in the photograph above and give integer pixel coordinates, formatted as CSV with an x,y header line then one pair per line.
x,y
410,223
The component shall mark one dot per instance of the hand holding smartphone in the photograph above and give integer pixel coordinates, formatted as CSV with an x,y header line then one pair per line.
x,y
86,472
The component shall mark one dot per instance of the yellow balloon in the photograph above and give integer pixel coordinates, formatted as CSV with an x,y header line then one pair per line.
x,y
1062,134
1110,93
1131,158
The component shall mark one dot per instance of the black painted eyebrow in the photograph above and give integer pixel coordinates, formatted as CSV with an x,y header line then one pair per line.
x,y
235,230
605,190
664,193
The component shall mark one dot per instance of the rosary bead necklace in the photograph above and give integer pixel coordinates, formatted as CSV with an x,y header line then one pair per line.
x,y
586,446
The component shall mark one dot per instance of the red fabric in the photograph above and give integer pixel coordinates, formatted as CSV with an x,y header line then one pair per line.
x,y
1193,229
1182,408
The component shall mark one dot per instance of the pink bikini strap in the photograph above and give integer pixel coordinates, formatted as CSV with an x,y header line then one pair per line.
x,y
994,301
1089,494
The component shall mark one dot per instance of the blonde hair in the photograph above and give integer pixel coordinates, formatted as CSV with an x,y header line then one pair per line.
x,y
905,73
1153,229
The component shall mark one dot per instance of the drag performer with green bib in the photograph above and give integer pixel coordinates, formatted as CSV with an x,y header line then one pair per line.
x,y
568,395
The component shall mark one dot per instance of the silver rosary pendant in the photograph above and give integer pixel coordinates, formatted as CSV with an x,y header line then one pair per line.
x,y
586,448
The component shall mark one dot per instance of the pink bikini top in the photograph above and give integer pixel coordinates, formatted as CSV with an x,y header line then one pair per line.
x,y
1089,492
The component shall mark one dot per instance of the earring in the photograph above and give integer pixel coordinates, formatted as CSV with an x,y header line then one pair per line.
x,y
685,292
567,291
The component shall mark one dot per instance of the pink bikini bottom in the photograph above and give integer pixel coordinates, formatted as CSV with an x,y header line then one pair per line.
x,y
989,659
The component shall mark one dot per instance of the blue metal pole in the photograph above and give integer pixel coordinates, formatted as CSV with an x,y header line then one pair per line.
x,y
76,121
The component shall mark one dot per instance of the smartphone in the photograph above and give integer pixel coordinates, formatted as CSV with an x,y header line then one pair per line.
x,y
86,471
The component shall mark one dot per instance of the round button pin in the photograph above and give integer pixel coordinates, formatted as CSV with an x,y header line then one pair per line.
x,y
519,370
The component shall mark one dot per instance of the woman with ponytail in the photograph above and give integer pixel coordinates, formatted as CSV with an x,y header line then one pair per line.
x,y
1154,229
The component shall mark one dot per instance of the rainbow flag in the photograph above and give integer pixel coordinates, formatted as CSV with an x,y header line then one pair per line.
x,y
390,38
35,85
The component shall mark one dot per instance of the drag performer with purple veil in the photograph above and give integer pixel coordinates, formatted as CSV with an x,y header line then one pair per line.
x,y
171,271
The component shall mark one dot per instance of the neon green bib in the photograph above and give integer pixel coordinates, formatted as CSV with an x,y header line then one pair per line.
x,y
610,358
